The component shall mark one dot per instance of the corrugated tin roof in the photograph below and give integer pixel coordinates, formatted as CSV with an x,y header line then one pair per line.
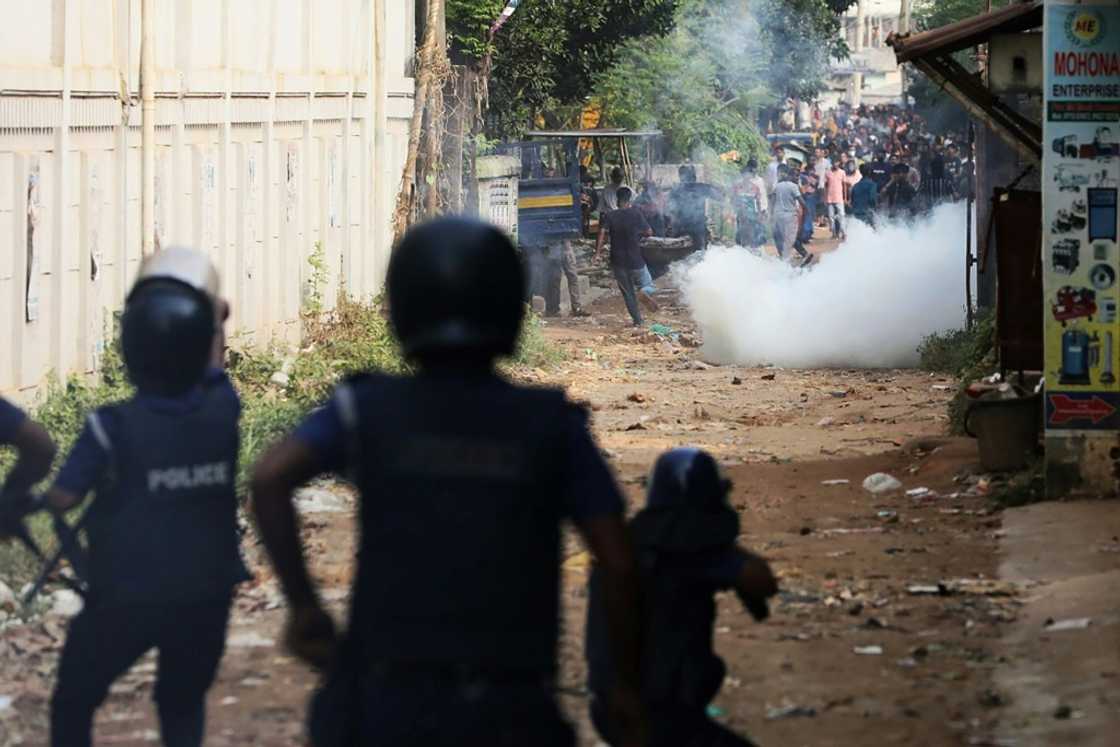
x,y
1021,16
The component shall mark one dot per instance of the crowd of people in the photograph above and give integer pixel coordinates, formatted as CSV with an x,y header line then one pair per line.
x,y
865,164
859,163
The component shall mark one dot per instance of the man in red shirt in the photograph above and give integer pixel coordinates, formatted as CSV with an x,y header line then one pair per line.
x,y
834,196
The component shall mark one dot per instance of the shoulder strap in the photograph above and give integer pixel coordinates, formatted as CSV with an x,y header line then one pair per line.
x,y
346,402
97,428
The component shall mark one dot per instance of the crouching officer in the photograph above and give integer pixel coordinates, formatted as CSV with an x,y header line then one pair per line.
x,y
34,453
685,541
162,528
464,479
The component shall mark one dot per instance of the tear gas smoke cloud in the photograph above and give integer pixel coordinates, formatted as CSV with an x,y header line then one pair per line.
x,y
867,304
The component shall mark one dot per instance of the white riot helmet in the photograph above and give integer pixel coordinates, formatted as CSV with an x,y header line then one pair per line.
x,y
189,266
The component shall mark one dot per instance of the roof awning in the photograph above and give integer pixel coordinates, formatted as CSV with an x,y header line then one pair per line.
x,y
932,53
967,33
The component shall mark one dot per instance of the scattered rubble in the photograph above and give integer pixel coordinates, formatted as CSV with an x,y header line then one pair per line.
x,y
880,483
66,603
790,711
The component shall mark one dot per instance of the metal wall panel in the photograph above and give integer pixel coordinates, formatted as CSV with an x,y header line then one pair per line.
x,y
255,179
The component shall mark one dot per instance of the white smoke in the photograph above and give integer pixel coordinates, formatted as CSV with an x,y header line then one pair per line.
x,y
868,304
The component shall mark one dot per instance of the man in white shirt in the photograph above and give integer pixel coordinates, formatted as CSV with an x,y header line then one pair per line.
x,y
608,200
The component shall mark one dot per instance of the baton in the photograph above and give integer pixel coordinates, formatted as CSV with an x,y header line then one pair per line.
x,y
68,547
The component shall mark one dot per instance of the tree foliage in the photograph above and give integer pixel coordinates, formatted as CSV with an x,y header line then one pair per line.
x,y
550,51
704,83
801,37
698,69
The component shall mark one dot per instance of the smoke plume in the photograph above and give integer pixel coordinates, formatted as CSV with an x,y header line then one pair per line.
x,y
868,304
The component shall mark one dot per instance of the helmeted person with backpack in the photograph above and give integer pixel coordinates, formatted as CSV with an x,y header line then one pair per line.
x,y
685,541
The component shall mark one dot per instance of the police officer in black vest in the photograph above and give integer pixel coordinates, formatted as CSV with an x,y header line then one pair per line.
x,y
464,481
685,540
34,454
162,528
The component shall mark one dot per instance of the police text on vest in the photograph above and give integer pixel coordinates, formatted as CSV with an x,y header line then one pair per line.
x,y
185,478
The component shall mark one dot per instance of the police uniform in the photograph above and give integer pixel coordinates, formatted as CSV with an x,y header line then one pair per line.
x,y
685,556
163,554
464,481
11,418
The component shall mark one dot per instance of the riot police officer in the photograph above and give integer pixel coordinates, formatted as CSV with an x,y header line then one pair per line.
x,y
685,541
464,480
162,528
34,453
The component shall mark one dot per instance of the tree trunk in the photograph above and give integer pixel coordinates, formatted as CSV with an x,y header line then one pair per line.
x,y
431,70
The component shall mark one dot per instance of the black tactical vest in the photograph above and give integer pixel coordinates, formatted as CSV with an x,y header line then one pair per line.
x,y
461,493
163,527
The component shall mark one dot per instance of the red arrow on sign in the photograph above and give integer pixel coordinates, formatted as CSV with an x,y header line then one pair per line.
x,y
1067,408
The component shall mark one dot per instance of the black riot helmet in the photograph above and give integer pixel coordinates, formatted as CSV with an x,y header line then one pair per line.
x,y
687,478
455,288
687,508
167,334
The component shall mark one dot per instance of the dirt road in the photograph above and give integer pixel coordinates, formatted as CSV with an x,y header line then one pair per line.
x,y
863,647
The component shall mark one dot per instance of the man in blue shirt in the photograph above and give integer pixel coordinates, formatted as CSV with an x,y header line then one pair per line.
x,y
35,451
464,480
865,196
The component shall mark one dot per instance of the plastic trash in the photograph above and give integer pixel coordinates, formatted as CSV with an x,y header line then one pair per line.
x,y
1076,623
790,711
868,650
881,482
833,483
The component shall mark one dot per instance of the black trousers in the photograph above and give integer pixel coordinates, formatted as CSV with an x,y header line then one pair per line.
x,y
103,642
413,706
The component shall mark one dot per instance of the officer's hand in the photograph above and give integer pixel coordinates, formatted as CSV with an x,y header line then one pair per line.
x,y
756,578
630,715
756,584
310,636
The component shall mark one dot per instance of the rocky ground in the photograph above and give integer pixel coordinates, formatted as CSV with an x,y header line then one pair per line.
x,y
904,617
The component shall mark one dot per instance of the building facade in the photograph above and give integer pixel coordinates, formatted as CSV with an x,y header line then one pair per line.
x,y
870,75
282,127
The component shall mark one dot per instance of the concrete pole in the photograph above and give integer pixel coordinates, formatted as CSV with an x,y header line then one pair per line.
x,y
148,128
904,28
857,78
